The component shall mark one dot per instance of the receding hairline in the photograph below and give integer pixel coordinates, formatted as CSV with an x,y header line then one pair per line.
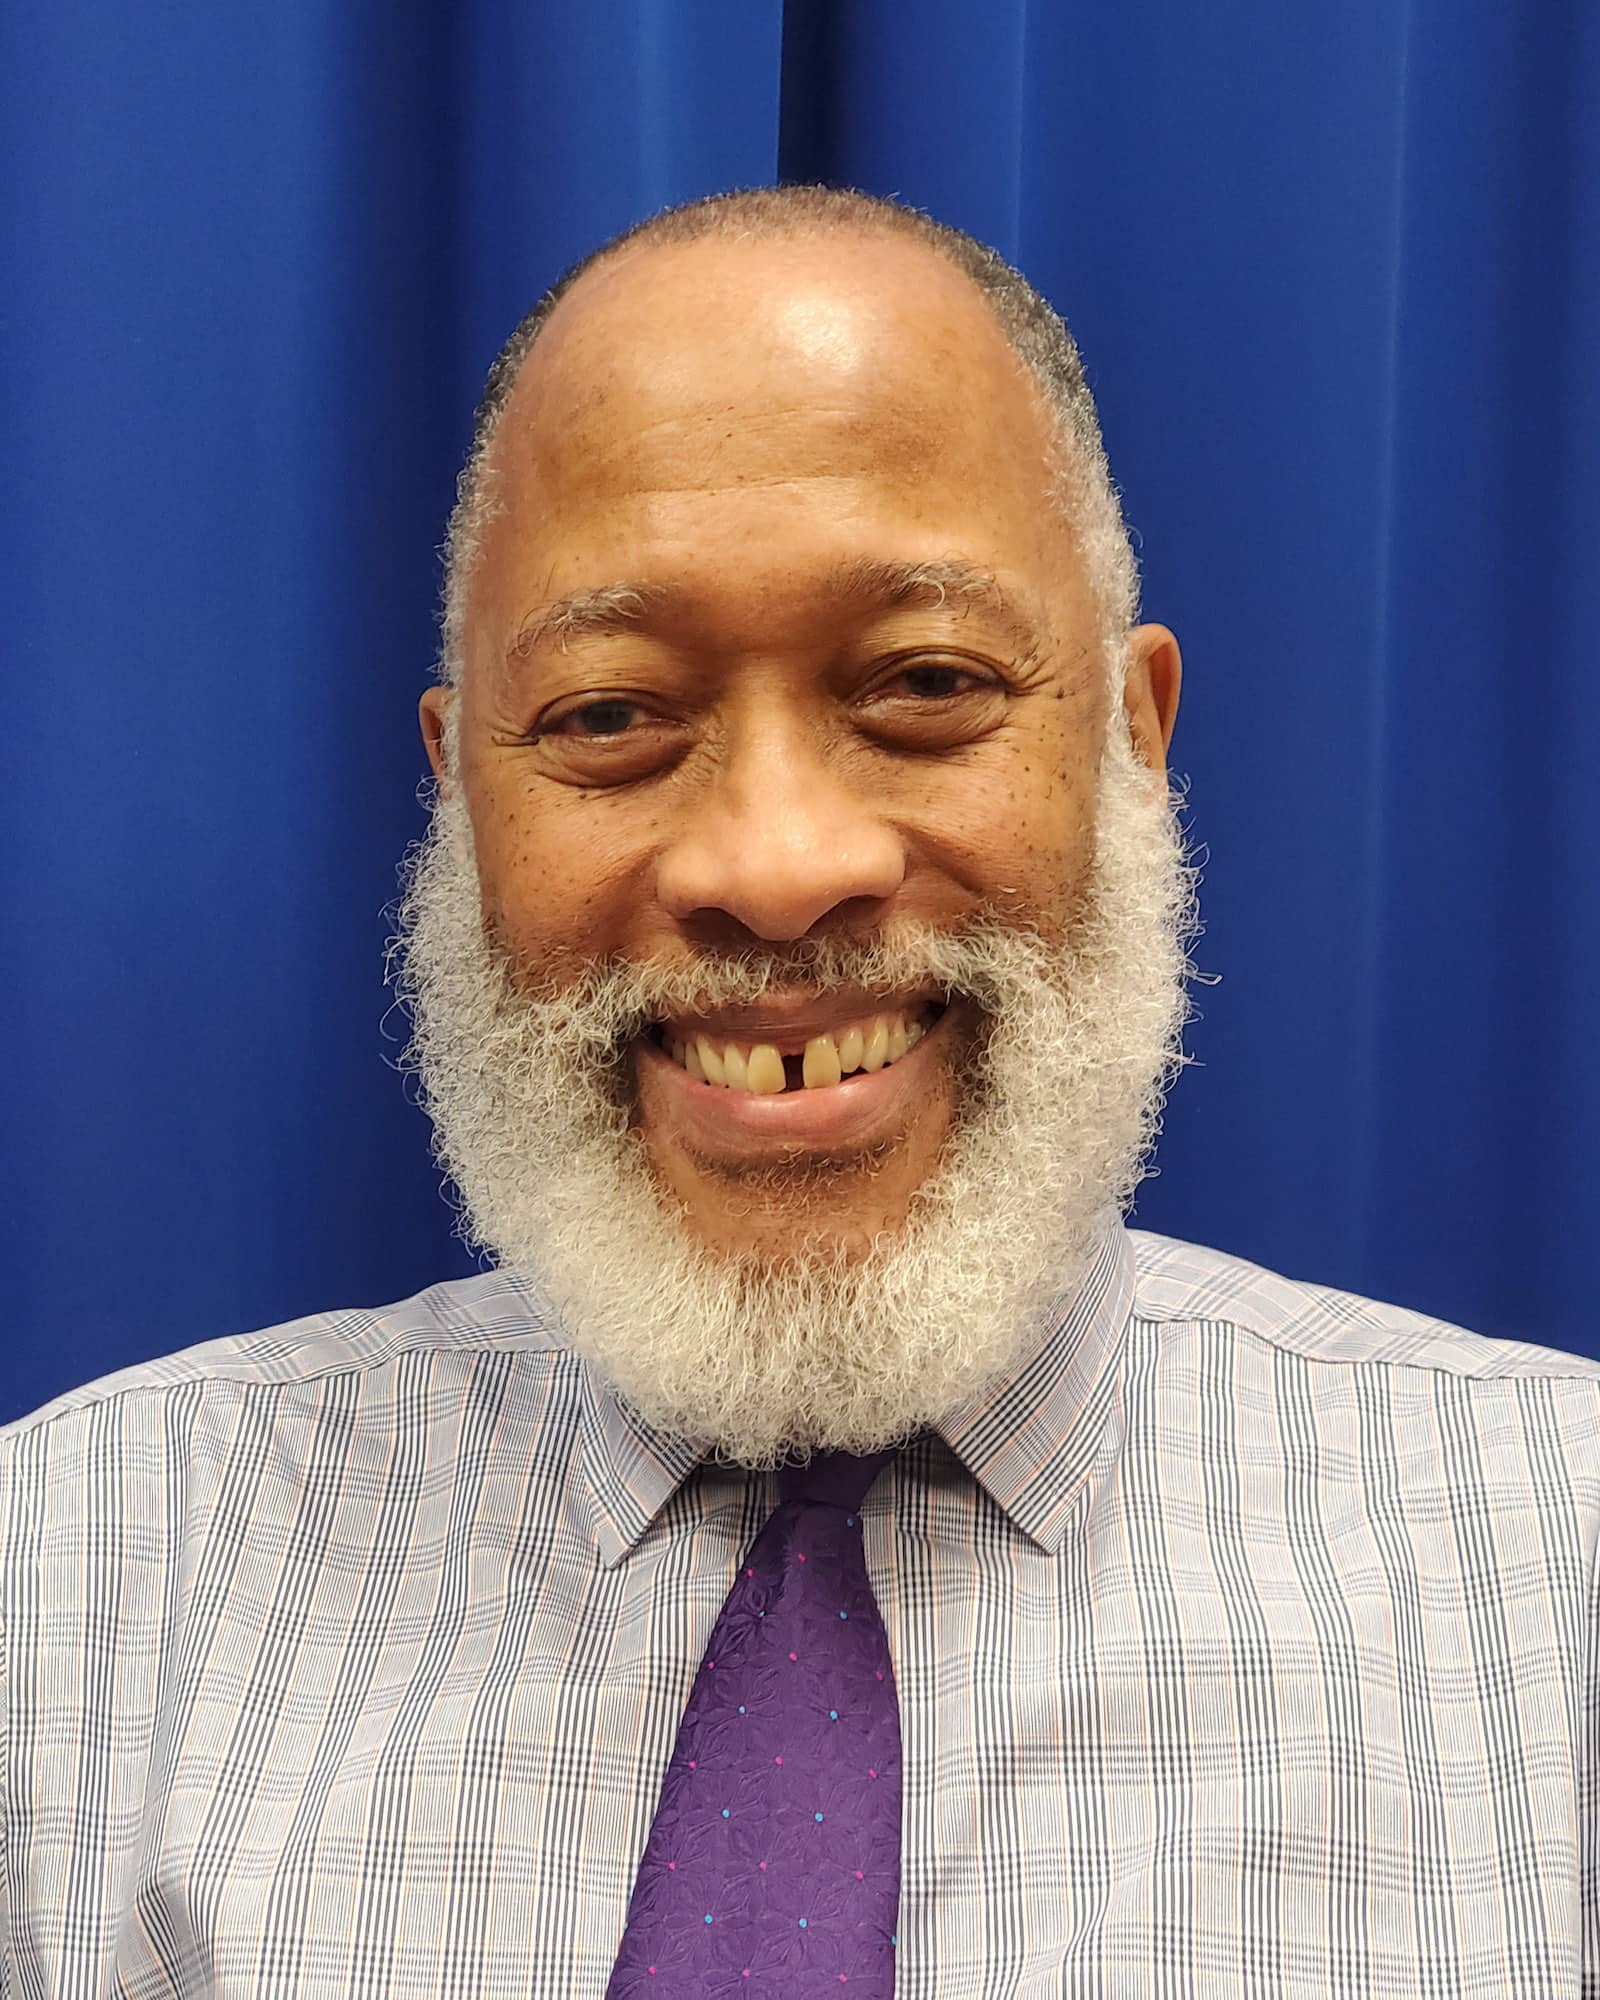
x,y
657,238
1032,330
645,249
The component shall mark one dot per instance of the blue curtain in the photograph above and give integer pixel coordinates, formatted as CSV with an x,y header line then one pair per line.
x,y
1335,272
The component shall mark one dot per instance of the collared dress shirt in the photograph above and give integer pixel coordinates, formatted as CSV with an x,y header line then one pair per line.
x,y
1246,1643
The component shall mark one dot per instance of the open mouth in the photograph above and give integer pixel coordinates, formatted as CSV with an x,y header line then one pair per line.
x,y
766,1067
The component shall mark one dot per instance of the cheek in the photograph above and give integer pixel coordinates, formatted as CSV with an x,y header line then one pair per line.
x,y
559,878
1055,789
1017,825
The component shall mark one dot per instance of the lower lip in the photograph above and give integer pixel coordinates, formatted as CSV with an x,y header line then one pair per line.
x,y
852,1114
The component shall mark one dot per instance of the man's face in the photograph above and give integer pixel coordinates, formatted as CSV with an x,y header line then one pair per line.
x,y
778,636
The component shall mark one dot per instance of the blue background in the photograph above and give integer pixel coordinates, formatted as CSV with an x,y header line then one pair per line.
x,y
1335,276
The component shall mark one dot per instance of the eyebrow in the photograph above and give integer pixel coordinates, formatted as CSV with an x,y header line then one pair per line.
x,y
866,583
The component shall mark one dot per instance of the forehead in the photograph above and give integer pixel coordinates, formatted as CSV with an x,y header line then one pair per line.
x,y
773,396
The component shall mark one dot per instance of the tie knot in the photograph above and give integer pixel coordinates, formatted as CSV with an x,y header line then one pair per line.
x,y
831,1479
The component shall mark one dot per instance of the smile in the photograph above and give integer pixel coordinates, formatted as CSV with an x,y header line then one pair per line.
x,y
766,1067
852,1085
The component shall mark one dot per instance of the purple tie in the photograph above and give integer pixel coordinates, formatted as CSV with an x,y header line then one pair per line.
x,y
773,1863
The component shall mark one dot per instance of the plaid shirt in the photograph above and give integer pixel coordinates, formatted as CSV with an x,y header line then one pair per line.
x,y
1246,1643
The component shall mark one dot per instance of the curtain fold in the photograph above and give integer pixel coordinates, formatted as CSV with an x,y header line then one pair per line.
x,y
1335,277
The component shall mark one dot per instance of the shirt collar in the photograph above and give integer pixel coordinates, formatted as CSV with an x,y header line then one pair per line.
x,y
1029,1440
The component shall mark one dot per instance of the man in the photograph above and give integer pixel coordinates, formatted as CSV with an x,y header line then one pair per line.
x,y
828,1550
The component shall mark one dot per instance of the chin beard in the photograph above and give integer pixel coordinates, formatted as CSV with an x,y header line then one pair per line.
x,y
756,1358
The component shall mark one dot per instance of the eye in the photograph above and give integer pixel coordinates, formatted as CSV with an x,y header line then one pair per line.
x,y
935,705
938,681
595,718
607,739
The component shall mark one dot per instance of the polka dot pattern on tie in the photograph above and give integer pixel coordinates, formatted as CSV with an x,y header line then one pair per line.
x,y
775,1849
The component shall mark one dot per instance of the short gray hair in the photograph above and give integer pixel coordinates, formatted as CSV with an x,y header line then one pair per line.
x,y
1029,322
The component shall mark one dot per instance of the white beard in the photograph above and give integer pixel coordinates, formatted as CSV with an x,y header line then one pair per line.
x,y
755,1360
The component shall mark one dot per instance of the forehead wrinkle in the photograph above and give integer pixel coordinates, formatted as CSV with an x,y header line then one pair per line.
x,y
868,582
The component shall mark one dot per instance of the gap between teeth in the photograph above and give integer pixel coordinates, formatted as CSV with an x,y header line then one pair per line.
x,y
865,1045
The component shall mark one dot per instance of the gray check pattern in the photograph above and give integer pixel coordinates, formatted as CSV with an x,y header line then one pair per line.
x,y
1246,1643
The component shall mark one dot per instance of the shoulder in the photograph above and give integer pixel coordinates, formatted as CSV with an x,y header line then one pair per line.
x,y
346,1439
1186,1284
1408,1411
357,1349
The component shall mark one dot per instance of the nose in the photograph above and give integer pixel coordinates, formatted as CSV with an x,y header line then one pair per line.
x,y
778,841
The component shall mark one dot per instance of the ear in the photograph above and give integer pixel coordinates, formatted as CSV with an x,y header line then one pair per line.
x,y
1150,691
432,710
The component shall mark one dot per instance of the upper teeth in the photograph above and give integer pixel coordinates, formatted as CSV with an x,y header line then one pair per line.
x,y
758,1066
